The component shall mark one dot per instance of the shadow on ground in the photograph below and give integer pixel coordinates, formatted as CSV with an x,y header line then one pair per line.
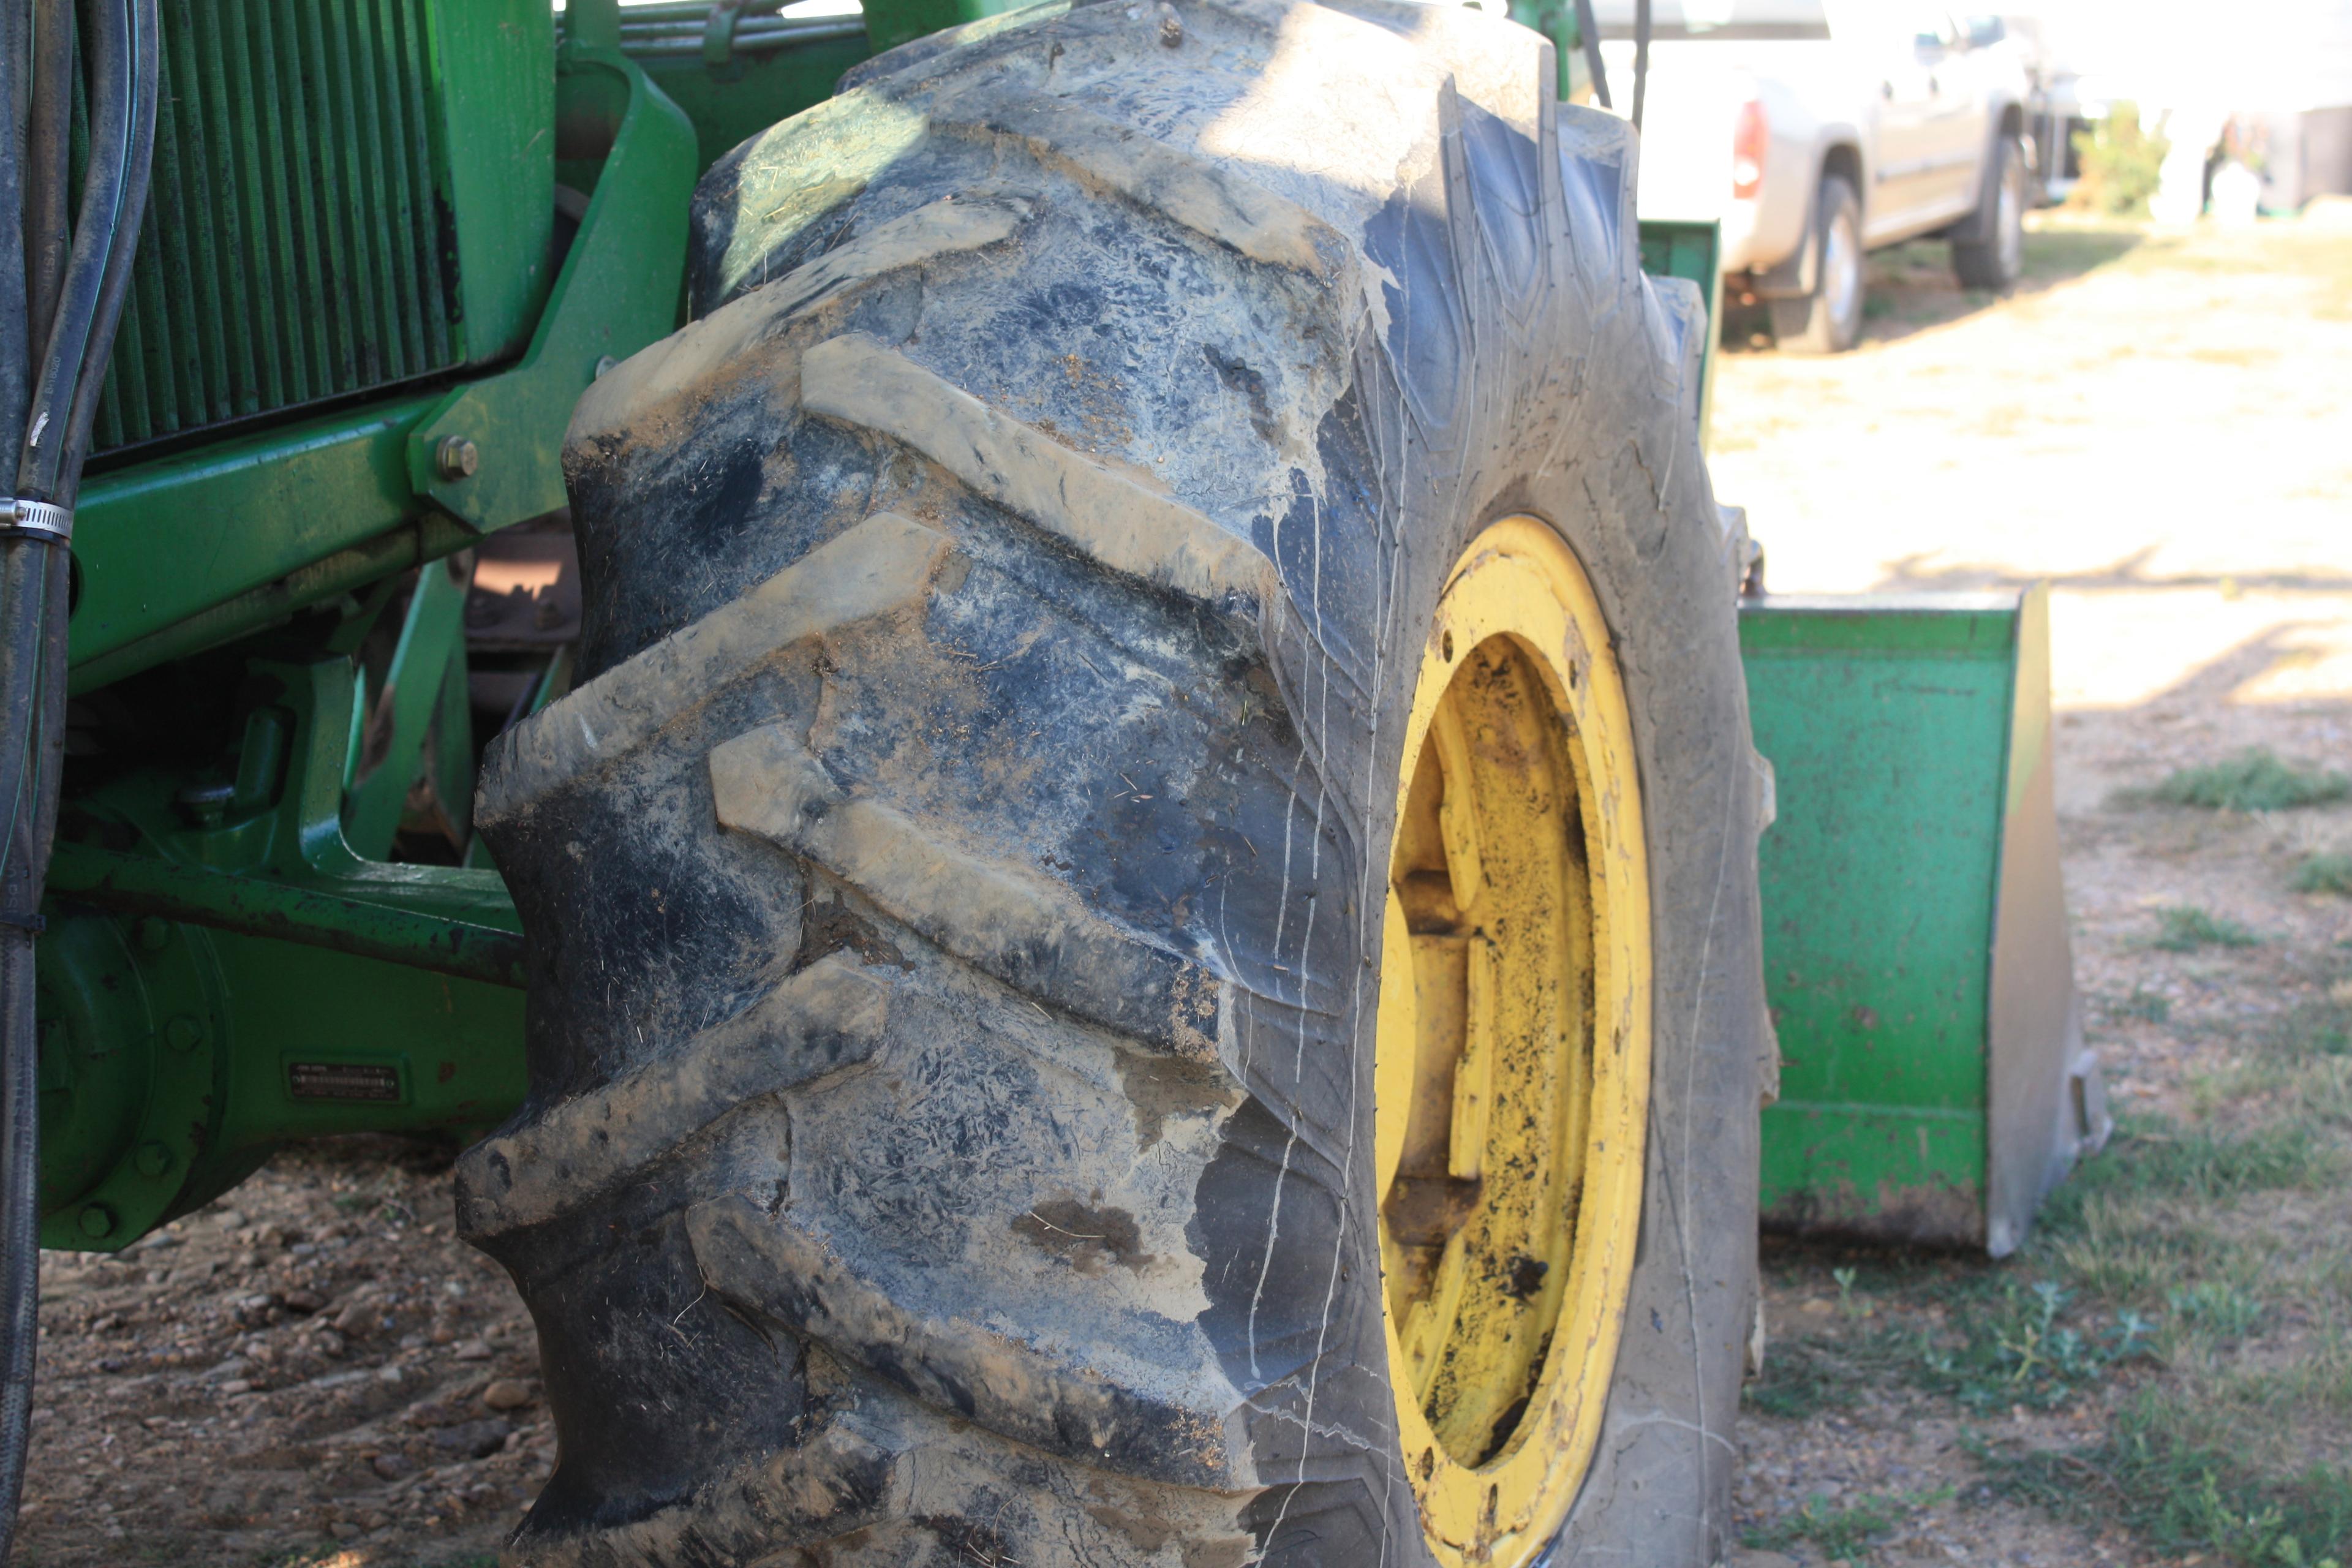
x,y
1912,574
1911,288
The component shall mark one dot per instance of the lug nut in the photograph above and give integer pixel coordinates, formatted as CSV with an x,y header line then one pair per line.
x,y
456,458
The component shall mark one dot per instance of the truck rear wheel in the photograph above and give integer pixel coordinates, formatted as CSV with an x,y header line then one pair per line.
x,y
1997,260
1143,926
1829,320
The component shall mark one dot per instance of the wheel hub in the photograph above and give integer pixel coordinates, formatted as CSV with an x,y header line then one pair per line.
x,y
1513,1048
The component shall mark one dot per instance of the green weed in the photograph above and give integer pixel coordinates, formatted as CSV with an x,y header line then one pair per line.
x,y
2153,1157
1798,1384
2020,1350
2143,1005
2216,1305
2308,1031
2186,929
1844,1533
2329,873
2253,779
2161,1473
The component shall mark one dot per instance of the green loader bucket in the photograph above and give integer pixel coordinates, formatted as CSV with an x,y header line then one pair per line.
x,y
1934,1082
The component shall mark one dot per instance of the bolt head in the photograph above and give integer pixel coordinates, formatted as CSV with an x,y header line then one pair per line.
x,y
154,1159
96,1220
456,458
184,1033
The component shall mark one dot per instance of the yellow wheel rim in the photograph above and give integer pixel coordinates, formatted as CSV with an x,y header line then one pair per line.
x,y
1513,1053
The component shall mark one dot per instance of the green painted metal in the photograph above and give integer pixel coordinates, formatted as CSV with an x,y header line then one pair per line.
x,y
1691,248
496,100
889,22
1556,20
427,538
1889,724
403,709
264,851
130,1014
309,236
618,291
224,971
743,91
346,495
464,929
1887,735
174,1058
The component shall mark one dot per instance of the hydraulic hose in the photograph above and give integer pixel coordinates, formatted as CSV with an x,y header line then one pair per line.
x,y
1588,33
47,95
1641,58
62,287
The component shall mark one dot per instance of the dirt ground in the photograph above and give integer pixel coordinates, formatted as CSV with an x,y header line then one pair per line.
x,y
315,1371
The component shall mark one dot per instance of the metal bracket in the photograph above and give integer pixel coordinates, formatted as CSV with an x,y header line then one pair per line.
x,y
490,453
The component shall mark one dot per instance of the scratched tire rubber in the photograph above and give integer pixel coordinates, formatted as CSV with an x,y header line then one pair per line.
x,y
954,892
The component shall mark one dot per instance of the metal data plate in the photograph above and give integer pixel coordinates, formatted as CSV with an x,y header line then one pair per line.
x,y
1934,1083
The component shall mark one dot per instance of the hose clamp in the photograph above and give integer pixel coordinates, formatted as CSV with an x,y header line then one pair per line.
x,y
39,519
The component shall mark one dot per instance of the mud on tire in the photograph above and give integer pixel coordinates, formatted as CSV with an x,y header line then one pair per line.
x,y
954,891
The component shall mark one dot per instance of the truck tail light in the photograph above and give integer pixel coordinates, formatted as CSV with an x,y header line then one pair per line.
x,y
1750,137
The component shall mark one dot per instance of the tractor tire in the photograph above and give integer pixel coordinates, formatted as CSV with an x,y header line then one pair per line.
x,y
955,889
1997,260
1829,320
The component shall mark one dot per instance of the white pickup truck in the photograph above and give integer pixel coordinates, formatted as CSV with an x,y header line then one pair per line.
x,y
1818,130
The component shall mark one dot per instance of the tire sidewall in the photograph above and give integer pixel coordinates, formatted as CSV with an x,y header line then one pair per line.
x,y
1657,1485
2009,215
1840,319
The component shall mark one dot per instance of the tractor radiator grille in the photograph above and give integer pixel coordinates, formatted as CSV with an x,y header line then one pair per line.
x,y
298,245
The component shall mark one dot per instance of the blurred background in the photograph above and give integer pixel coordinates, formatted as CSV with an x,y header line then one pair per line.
x,y
2155,418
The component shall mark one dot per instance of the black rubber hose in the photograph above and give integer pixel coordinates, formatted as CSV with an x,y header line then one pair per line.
x,y
54,410
145,58
16,324
1588,33
19,1068
33,586
48,164
1640,57
76,331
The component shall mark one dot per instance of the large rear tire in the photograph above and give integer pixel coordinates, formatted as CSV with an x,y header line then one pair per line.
x,y
962,888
